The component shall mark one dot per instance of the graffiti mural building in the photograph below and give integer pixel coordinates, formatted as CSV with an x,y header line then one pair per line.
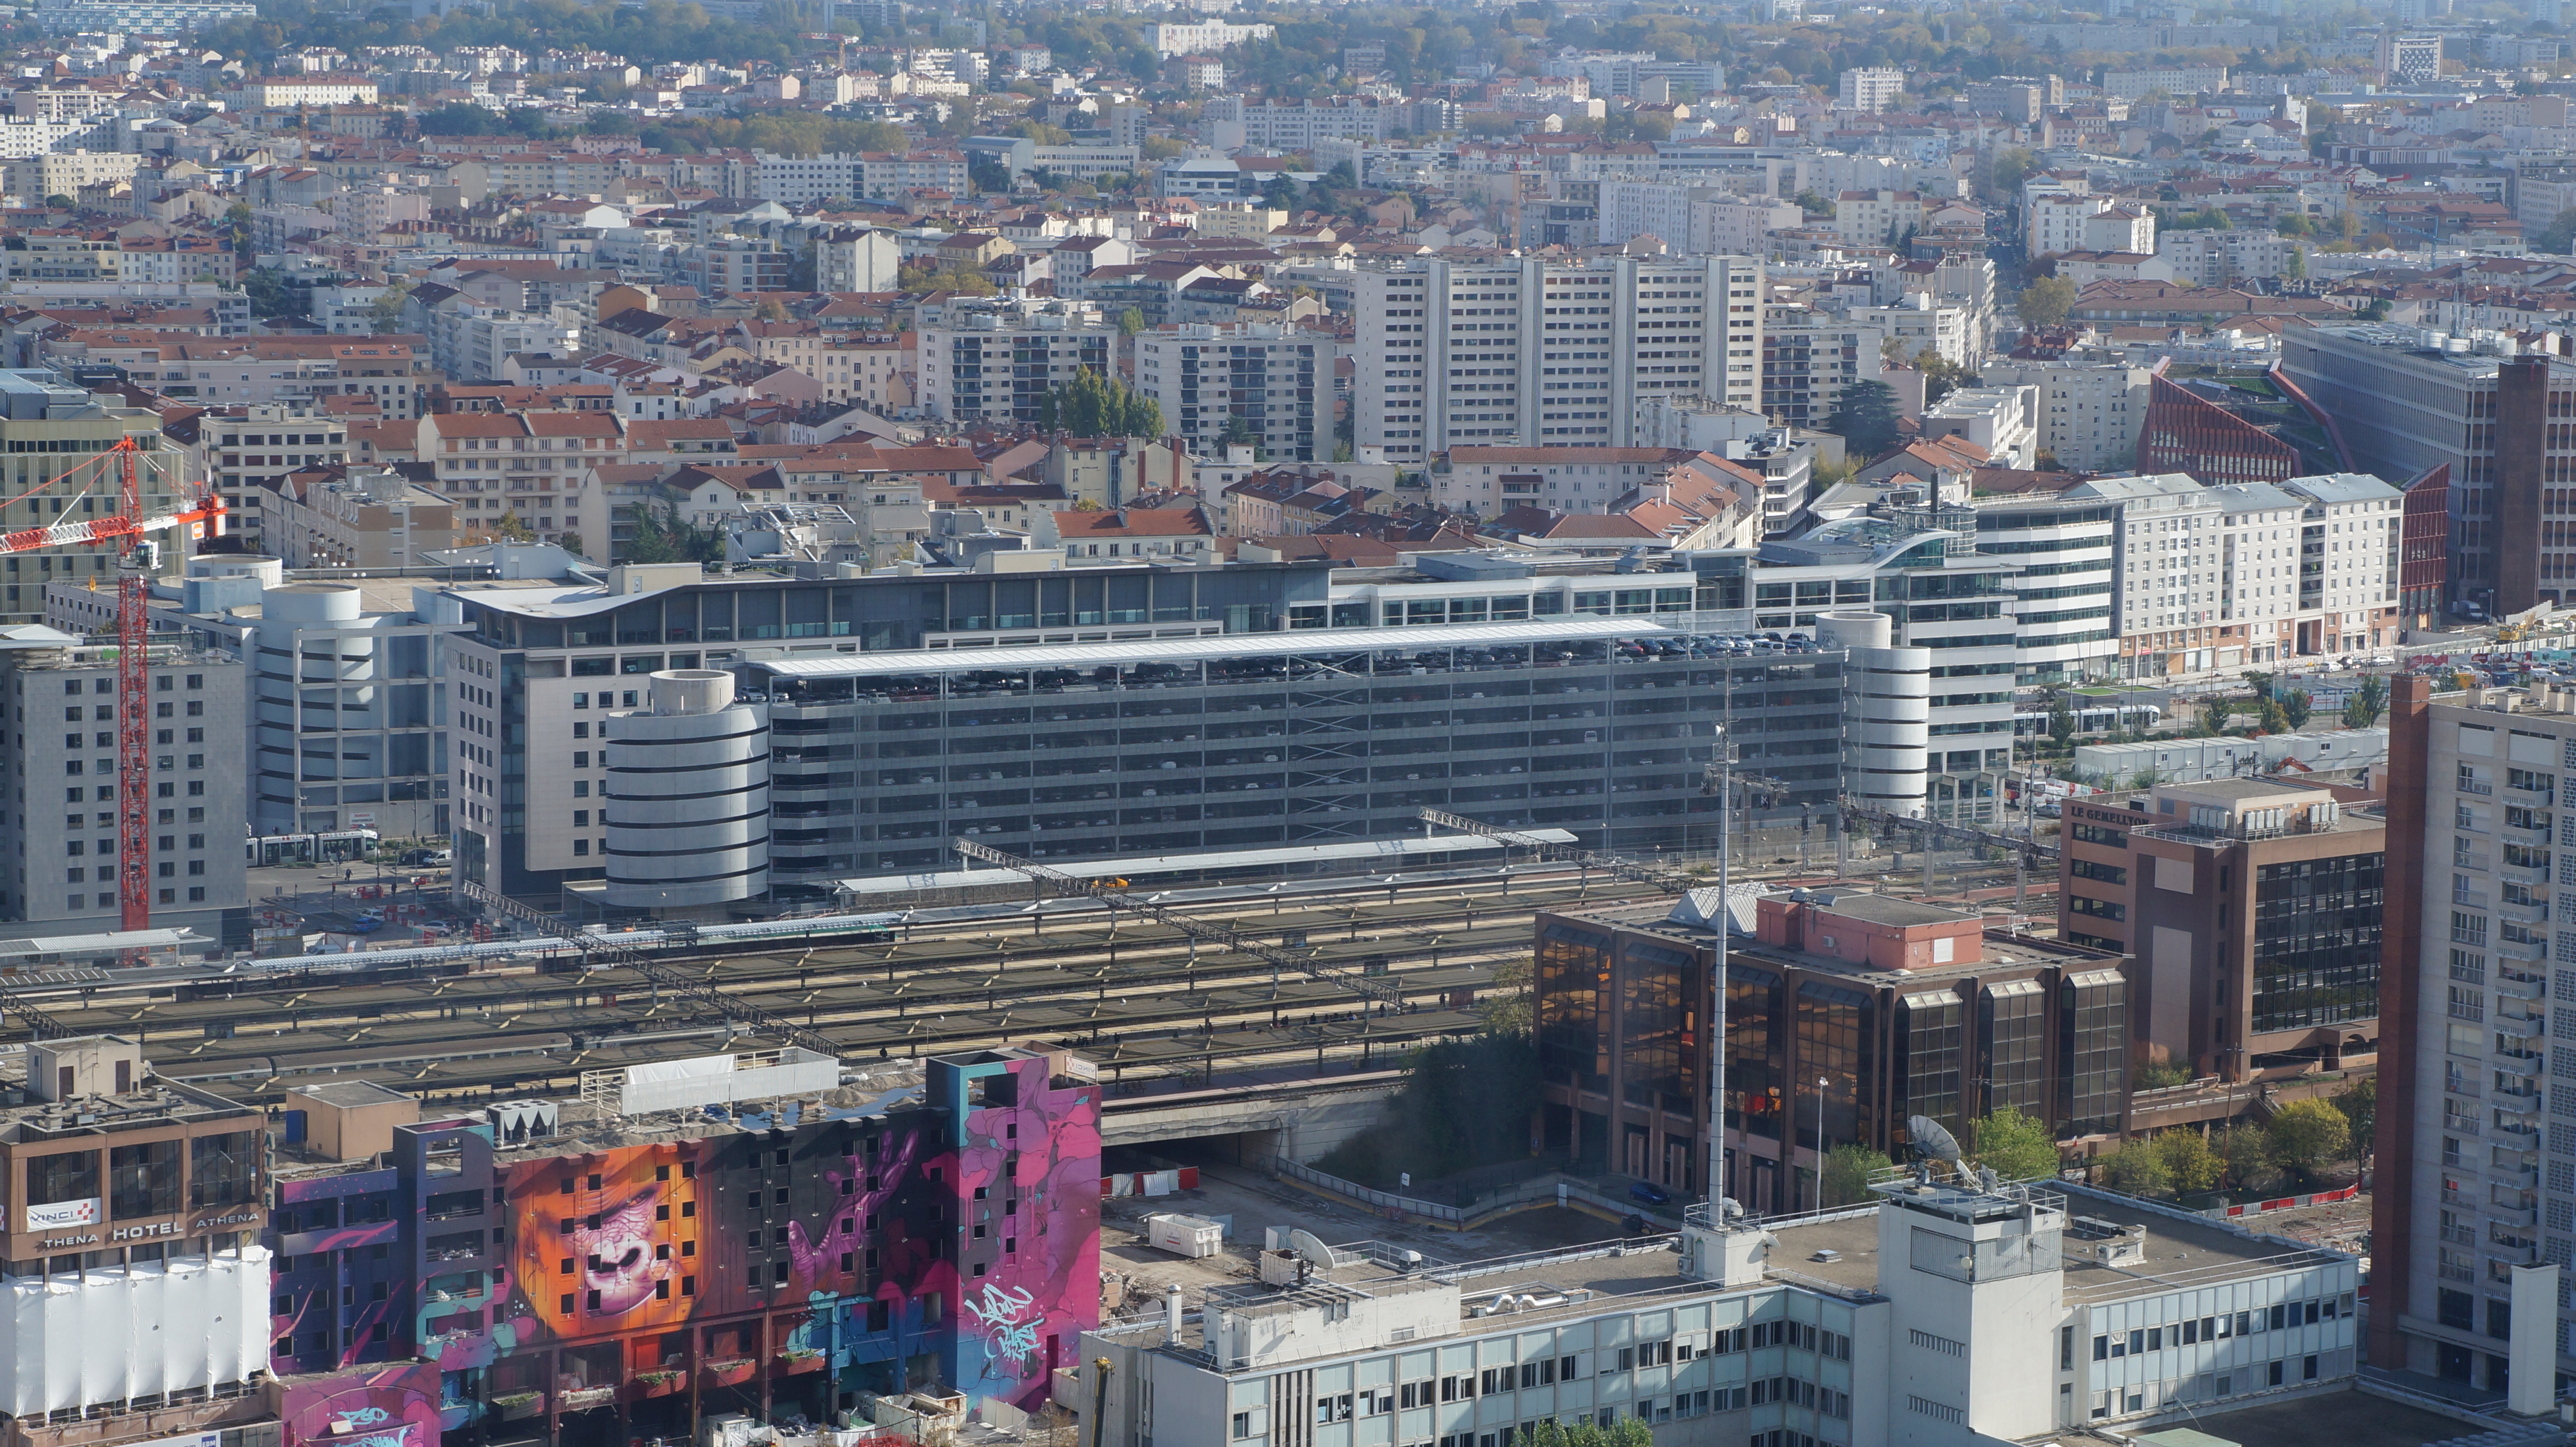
x,y
576,1274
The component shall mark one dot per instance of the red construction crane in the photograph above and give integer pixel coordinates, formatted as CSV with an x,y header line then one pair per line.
x,y
133,633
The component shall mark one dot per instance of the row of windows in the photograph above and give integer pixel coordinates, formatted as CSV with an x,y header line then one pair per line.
x,y
2279,1317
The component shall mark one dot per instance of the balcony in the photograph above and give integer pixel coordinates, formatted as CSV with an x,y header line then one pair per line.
x,y
2525,1065
2523,913
2513,989
2518,1178
2527,951
2517,1027
2532,875
2538,838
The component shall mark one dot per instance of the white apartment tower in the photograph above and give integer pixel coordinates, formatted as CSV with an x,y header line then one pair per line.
x,y
1871,88
2090,413
1536,354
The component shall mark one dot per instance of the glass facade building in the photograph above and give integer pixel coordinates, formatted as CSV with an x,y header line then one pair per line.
x,y
1965,1026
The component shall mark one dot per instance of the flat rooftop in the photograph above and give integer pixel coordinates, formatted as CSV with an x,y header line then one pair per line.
x,y
1887,910
1651,917
2179,1252
1214,648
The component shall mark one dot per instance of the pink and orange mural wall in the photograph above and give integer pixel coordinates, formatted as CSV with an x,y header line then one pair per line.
x,y
773,1264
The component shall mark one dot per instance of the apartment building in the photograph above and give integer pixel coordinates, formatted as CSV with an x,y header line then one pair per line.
x,y
2170,541
2409,401
2478,1211
1545,355
1189,38
530,466
2311,565
391,371
1870,88
2089,413
1780,1332
2254,908
370,518
2001,420
2066,555
1878,218
1491,480
1217,384
247,451
67,173
995,360
52,435
59,863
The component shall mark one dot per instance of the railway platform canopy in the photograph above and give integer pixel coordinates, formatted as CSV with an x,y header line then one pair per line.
x,y
1234,865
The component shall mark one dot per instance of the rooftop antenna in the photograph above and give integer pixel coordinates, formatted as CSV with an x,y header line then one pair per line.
x,y
1721,763
1935,1142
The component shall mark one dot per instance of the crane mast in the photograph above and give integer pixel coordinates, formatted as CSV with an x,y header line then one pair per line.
x,y
134,567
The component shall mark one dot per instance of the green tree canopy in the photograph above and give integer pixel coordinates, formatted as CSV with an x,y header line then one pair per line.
x,y
1088,406
2306,1136
1847,1172
2016,1146
1865,417
2295,707
2045,302
2559,235
2367,703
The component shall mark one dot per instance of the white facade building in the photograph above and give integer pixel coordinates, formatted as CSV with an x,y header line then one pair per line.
x,y
2089,413
1546,355
993,360
1269,376
1871,88
1942,1315
1190,39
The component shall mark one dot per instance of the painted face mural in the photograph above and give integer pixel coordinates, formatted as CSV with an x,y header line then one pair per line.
x,y
619,1250
618,1258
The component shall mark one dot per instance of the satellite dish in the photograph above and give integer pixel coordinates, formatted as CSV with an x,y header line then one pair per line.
x,y
1312,1248
1932,1138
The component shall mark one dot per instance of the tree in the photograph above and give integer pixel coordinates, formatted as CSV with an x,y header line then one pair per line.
x,y
1813,204
1088,406
2135,1168
1130,322
2270,717
1847,1172
1506,1006
771,309
386,311
2010,166
2218,713
661,535
2045,302
512,528
2308,1135
2367,703
1865,418
61,202
2246,1155
2061,720
2295,707
2190,1165
2259,681
2018,1147
2297,269
2359,1102
2558,236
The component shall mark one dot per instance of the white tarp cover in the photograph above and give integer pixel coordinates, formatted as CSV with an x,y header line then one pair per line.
x,y
721,1079
134,1331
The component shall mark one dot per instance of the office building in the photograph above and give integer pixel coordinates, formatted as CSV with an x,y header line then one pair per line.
x,y
2022,1314
2409,59
621,1278
52,437
1043,752
2254,910
1900,1009
2066,556
1919,565
994,361
2089,413
2409,401
1218,383
2475,1214
61,764
1541,354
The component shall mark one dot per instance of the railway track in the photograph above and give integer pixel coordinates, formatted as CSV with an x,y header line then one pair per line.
x,y
1137,997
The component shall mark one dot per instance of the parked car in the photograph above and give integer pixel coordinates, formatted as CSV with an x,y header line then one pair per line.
x,y
1651,1194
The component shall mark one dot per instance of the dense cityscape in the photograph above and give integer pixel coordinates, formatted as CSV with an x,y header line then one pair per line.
x,y
824,723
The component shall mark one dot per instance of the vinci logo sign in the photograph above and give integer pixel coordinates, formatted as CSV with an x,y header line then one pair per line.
x,y
60,1214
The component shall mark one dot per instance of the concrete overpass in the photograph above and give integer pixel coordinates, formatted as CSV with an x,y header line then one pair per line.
x,y
1298,1120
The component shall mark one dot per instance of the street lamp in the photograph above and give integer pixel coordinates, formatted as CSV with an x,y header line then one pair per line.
x,y
1820,1143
